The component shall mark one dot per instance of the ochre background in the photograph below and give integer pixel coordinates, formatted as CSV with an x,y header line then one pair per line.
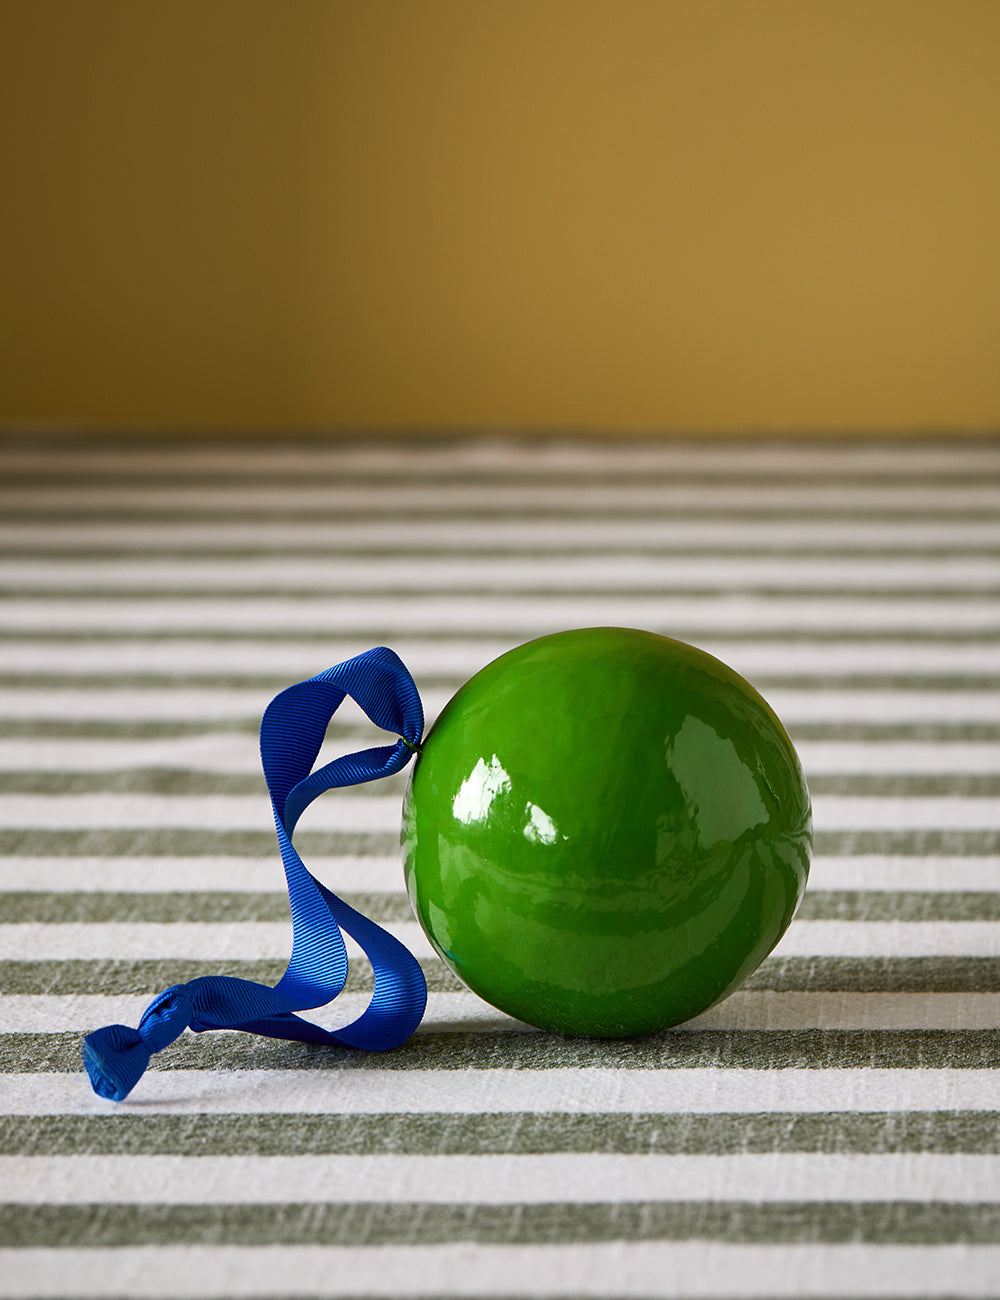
x,y
553,214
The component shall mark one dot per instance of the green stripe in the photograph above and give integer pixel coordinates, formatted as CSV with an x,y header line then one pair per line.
x,y
170,907
877,905
514,1049
335,553
158,729
511,633
925,732
111,977
178,511
525,441
140,780
113,728
478,1295
718,637
124,729
907,785
904,1222
267,683
178,780
530,472
174,906
270,683
169,780
981,593
887,682
877,975
249,724
525,1133
193,843
159,842
836,844
778,974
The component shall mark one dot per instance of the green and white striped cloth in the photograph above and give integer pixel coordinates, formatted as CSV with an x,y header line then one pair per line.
x,y
829,1131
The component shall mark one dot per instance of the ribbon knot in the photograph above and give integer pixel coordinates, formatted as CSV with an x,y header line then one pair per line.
x,y
291,735
166,1018
116,1056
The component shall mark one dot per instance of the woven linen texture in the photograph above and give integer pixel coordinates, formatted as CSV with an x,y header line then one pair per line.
x,y
828,1131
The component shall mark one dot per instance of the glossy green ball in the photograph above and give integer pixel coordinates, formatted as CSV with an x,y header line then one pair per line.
x,y
605,832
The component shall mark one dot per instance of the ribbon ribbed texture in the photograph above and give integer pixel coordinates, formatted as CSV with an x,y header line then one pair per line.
x,y
291,734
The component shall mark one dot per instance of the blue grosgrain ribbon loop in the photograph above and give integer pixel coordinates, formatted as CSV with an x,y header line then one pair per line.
x,y
291,735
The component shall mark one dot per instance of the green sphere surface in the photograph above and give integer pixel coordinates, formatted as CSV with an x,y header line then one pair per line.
x,y
605,832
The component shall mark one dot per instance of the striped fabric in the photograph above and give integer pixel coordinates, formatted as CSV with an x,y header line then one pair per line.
x,y
829,1131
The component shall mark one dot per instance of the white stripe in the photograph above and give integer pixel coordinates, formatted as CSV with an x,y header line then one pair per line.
x,y
578,1178
461,1012
674,616
892,757
660,1270
460,659
427,497
532,535
345,875
593,1090
237,753
193,941
342,810
796,707
123,705
745,1010
890,939
349,874
751,1010
226,752
211,706
919,813
291,659
899,874
560,455
663,1270
564,573
260,940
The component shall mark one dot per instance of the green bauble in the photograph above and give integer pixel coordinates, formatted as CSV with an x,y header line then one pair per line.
x,y
606,831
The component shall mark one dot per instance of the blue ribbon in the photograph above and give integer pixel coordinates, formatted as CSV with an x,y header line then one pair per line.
x,y
291,734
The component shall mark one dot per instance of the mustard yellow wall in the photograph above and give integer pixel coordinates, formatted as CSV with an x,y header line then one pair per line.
x,y
621,214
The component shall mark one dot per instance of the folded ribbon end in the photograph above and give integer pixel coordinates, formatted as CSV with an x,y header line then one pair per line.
x,y
115,1058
